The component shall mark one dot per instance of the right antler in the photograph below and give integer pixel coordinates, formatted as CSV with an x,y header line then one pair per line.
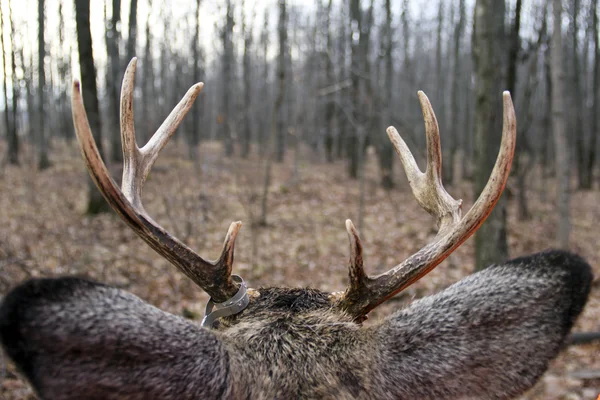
x,y
212,276
365,293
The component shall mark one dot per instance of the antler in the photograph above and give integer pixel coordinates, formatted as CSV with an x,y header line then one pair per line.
x,y
364,293
212,276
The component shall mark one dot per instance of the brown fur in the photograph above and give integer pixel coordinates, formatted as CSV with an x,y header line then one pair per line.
x,y
489,336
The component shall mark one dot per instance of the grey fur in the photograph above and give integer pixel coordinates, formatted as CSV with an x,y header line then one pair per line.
x,y
489,336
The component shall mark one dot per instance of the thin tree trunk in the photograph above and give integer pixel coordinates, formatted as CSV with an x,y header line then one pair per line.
x,y
281,136
488,46
43,160
386,149
96,202
577,111
12,159
561,144
148,82
113,80
247,125
457,131
591,154
228,80
275,119
194,137
131,38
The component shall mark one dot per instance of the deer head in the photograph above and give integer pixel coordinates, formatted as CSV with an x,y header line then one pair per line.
x,y
491,335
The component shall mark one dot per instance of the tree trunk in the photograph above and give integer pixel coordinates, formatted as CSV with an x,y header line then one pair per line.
x,y
488,47
13,157
458,132
113,80
247,125
386,149
590,156
43,160
561,144
511,86
194,137
148,83
227,120
131,38
96,202
577,110
281,135
352,138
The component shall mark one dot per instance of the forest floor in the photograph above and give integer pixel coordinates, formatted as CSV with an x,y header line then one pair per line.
x,y
44,232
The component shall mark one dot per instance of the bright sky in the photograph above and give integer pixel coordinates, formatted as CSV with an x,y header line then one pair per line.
x,y
180,13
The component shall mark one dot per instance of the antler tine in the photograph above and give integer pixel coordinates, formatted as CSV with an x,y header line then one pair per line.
x,y
138,162
366,293
427,187
213,276
356,269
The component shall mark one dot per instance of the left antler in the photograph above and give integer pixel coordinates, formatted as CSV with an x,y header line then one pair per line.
x,y
212,276
364,293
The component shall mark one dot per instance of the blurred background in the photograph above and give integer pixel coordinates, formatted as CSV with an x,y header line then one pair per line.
x,y
288,136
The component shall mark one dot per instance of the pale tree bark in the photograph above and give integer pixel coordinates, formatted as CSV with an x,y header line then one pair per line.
x,y
64,73
113,80
96,202
488,47
194,137
13,137
7,120
148,83
281,135
561,144
43,160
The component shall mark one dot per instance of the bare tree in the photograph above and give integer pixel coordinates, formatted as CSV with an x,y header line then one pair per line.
x,y
132,34
591,154
246,134
459,132
113,73
148,84
13,158
577,110
96,203
561,144
386,150
281,135
194,136
13,134
228,74
488,47
43,160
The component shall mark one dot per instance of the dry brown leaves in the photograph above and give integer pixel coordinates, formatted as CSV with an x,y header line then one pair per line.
x,y
44,232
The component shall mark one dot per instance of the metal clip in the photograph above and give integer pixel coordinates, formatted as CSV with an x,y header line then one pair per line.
x,y
234,305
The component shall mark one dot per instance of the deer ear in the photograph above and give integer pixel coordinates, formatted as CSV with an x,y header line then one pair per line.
x,y
75,339
491,335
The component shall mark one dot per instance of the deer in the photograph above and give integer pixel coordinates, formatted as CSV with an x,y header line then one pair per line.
x,y
491,335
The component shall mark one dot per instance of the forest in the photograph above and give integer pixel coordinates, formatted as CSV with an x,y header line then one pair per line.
x,y
288,135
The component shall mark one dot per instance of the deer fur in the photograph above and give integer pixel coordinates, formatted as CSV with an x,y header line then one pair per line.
x,y
489,336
